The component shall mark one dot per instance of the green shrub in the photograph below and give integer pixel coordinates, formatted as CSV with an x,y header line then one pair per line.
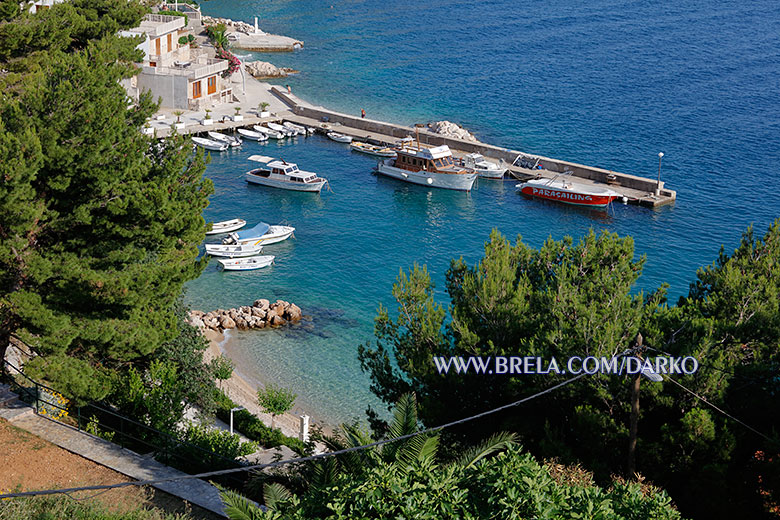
x,y
56,507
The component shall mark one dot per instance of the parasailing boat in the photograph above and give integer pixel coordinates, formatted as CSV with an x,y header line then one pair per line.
x,y
561,189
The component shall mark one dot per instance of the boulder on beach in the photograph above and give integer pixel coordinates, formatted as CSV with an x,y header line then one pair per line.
x,y
264,69
450,129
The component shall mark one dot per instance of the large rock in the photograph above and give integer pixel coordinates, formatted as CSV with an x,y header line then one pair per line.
x,y
264,69
277,320
227,323
293,313
258,312
278,308
262,304
450,129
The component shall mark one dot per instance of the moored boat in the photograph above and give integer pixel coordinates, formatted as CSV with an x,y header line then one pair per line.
x,y
222,138
433,167
273,134
210,144
339,138
233,251
252,135
246,264
282,129
370,149
278,173
561,189
261,234
298,128
226,226
483,167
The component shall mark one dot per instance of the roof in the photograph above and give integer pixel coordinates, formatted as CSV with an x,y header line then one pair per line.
x,y
158,24
256,232
429,153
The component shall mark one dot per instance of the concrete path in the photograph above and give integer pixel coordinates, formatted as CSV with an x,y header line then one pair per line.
x,y
114,457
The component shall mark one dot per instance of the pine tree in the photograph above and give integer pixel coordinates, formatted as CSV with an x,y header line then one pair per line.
x,y
99,224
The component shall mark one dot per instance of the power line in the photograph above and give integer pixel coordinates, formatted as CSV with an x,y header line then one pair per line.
x,y
697,396
106,487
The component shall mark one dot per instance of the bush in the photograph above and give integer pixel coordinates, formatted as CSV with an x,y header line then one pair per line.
x,y
45,508
253,428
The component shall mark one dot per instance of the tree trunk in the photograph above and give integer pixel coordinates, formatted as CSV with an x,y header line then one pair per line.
x,y
633,427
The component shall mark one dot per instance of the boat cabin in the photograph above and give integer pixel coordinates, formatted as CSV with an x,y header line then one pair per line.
x,y
429,159
285,171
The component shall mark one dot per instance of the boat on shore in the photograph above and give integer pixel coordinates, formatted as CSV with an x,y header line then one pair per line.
x,y
370,149
210,144
339,138
261,234
233,251
226,226
433,167
222,138
252,135
246,264
278,173
561,189
483,167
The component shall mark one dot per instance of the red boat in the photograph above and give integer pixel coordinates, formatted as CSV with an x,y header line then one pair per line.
x,y
563,190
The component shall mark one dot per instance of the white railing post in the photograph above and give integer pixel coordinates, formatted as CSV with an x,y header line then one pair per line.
x,y
304,433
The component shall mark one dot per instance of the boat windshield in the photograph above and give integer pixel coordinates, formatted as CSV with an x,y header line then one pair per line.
x,y
291,169
443,162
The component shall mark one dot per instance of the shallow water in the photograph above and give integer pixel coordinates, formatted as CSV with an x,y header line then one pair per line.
x,y
609,83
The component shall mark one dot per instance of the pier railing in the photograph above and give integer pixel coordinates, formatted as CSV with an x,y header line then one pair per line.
x,y
102,421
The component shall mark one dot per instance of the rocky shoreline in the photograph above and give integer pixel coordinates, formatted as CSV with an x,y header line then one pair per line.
x,y
260,315
264,69
239,26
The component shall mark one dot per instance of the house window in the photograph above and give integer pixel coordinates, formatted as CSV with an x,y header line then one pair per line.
x,y
196,93
152,63
170,45
212,84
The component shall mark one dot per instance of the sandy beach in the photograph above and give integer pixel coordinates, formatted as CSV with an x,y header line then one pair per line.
x,y
244,393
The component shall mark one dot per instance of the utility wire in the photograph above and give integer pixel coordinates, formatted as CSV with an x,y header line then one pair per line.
x,y
106,487
697,396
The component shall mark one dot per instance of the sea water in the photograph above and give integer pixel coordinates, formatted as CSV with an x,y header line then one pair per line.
x,y
607,83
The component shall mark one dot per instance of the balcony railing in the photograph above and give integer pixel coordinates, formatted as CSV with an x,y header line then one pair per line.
x,y
196,70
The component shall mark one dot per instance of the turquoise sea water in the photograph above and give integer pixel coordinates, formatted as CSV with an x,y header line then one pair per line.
x,y
610,83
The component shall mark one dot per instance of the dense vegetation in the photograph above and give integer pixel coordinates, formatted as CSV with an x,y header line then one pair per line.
x,y
570,298
60,507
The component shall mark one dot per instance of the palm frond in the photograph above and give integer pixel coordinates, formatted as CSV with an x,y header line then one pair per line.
x,y
275,494
492,444
404,422
417,449
238,507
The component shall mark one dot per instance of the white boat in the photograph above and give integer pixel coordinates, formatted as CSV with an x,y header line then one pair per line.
x,y
209,144
370,149
254,136
298,128
226,226
282,129
484,168
246,264
273,134
431,167
233,251
278,173
339,138
261,234
222,138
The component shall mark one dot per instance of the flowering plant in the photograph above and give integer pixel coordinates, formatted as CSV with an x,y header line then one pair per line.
x,y
233,62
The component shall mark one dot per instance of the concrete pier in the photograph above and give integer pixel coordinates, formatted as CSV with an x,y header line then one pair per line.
x,y
637,190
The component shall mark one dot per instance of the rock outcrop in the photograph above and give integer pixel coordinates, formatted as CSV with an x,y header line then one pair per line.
x,y
450,129
236,25
260,315
263,69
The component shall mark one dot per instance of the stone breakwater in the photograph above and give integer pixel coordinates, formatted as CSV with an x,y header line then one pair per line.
x,y
237,25
262,314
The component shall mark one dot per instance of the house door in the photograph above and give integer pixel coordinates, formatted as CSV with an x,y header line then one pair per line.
x,y
157,46
196,93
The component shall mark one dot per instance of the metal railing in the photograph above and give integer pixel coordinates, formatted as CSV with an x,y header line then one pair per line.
x,y
108,424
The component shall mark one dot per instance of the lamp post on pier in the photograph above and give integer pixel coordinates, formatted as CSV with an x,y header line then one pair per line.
x,y
658,186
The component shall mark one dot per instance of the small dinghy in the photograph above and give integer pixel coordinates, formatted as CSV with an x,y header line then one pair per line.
x,y
273,134
484,168
297,128
222,138
226,226
339,138
261,234
282,129
246,264
233,251
209,144
253,136
370,149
